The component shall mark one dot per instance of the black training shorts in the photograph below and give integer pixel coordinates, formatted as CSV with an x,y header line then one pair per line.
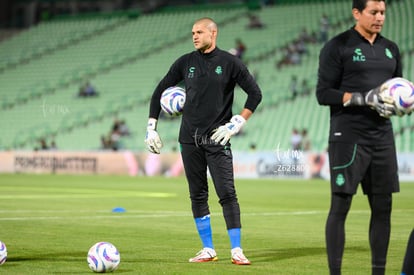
x,y
374,166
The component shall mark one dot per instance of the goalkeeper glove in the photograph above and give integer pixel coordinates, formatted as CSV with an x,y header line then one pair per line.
x,y
152,139
223,133
376,99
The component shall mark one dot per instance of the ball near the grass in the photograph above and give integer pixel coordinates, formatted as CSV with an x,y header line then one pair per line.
x,y
103,257
3,253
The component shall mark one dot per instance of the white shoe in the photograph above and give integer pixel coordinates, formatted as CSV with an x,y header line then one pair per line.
x,y
204,255
237,257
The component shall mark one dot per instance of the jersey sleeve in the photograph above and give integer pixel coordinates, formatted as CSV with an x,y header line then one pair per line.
x,y
249,85
329,75
172,78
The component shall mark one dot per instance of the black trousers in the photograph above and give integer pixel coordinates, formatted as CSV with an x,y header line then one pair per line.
x,y
219,161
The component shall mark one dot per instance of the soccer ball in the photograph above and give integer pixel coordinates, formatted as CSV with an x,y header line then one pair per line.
x,y
103,257
3,253
402,91
172,101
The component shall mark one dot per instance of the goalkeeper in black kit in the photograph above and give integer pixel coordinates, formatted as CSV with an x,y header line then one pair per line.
x,y
209,76
352,68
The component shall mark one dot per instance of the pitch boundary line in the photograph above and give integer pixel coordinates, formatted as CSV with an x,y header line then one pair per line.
x,y
159,214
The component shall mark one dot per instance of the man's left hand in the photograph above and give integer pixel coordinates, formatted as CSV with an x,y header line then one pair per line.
x,y
379,101
223,133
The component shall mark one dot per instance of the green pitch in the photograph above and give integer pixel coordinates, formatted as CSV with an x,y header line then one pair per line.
x,y
48,223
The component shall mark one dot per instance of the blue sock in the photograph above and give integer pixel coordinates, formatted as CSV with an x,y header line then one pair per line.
x,y
235,237
204,231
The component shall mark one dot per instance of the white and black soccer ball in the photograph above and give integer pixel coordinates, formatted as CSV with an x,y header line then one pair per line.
x,y
3,253
173,100
103,257
402,91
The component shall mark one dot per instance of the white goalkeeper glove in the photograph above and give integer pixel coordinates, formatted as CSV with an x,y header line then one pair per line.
x,y
376,99
152,139
223,133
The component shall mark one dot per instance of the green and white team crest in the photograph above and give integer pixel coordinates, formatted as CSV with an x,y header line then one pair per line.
x,y
340,180
219,70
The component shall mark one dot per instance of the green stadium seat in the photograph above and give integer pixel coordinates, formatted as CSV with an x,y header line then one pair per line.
x,y
125,58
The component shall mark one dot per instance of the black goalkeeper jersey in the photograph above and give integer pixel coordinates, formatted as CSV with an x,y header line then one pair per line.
x,y
350,63
209,81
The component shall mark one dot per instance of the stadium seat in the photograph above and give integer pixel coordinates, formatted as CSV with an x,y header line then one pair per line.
x,y
124,58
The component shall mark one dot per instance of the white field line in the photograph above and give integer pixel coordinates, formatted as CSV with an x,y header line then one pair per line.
x,y
136,214
89,196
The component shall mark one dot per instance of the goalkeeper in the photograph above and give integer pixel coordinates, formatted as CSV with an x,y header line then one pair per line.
x,y
352,67
209,75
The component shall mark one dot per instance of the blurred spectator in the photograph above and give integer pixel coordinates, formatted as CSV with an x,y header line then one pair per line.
x,y
240,48
252,146
124,129
304,88
254,22
44,146
294,87
53,145
121,127
323,28
87,90
290,57
308,37
293,51
115,139
301,47
296,139
306,144
317,162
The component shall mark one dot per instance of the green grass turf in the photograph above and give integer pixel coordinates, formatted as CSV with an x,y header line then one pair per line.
x,y
48,223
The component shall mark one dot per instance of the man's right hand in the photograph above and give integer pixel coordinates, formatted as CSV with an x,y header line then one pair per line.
x,y
152,139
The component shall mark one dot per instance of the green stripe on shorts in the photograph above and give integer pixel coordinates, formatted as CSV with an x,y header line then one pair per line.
x,y
350,162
